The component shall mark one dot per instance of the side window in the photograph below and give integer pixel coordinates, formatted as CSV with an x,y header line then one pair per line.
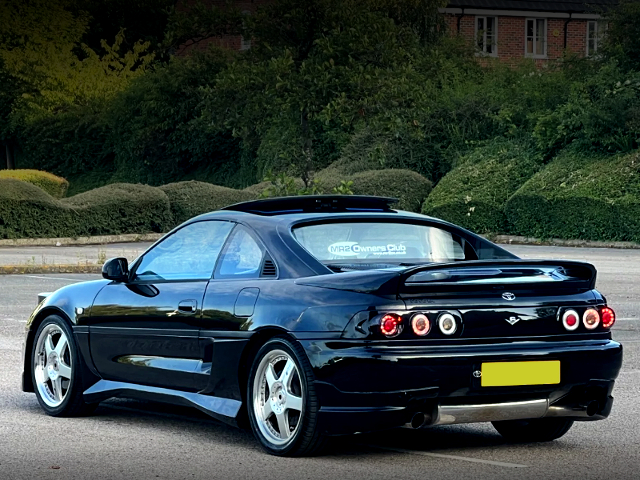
x,y
242,257
188,254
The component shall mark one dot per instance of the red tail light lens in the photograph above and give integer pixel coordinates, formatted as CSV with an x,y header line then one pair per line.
x,y
420,324
391,325
591,319
571,320
608,317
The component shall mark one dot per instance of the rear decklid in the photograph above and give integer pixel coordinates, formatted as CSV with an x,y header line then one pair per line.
x,y
493,298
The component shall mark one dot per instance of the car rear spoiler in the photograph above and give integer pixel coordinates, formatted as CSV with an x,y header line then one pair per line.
x,y
514,274
475,275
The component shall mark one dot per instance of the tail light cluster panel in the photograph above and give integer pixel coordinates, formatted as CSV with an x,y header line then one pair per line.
x,y
406,325
586,319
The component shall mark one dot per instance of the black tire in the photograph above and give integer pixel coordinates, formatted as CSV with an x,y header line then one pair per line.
x,y
73,404
307,439
535,430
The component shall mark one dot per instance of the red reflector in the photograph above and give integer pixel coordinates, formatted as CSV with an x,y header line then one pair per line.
x,y
390,325
608,317
570,320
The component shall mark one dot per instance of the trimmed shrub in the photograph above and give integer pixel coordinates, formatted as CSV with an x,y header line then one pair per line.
x,y
121,208
28,211
50,183
409,187
473,195
192,198
578,197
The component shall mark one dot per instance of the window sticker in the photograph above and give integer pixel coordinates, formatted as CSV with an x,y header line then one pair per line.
x,y
352,249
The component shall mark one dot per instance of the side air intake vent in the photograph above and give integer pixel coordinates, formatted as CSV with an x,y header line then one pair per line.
x,y
269,269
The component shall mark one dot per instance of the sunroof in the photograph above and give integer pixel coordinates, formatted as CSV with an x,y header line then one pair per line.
x,y
315,203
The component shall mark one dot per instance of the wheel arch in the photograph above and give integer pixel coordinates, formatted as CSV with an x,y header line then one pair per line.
x,y
257,340
34,324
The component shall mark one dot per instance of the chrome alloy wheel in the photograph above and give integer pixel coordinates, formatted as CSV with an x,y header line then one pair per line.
x,y
52,365
277,398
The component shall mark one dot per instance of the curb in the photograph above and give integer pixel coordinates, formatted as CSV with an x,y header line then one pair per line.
x,y
152,237
40,269
558,242
69,241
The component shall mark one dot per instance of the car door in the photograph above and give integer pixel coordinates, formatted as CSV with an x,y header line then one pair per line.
x,y
145,331
228,307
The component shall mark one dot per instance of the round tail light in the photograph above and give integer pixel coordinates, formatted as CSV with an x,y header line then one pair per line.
x,y
571,320
591,318
608,317
447,324
391,325
420,324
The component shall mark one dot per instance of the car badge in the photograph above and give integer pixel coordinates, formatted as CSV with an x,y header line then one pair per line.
x,y
512,320
508,296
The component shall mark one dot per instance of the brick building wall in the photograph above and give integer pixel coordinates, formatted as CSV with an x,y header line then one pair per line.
x,y
510,40
511,36
232,42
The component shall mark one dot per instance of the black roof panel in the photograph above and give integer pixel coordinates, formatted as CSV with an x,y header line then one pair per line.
x,y
315,204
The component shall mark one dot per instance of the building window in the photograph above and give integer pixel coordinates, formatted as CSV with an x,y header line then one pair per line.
x,y
486,35
536,37
595,32
245,43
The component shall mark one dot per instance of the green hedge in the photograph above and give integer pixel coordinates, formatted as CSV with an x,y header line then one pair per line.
x,y
121,208
577,197
26,211
409,187
473,195
50,183
192,198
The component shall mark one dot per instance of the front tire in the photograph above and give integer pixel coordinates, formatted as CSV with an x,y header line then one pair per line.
x,y
281,400
535,430
55,370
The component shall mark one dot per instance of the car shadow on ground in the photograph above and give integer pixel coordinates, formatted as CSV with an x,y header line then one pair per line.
x,y
167,417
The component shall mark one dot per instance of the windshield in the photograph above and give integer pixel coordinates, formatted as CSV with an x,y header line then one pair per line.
x,y
365,243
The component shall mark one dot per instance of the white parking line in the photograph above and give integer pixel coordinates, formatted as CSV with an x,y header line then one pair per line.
x,y
453,457
75,280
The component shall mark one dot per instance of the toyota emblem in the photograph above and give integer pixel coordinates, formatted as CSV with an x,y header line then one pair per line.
x,y
508,296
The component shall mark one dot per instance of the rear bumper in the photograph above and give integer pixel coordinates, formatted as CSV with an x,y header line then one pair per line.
x,y
365,387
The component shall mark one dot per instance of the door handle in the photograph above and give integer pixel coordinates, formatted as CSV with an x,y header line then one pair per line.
x,y
188,306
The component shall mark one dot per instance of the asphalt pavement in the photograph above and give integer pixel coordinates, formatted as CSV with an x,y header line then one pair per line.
x,y
144,440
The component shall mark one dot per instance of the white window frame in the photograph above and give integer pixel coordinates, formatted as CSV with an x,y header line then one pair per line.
x,y
483,52
535,36
600,30
245,43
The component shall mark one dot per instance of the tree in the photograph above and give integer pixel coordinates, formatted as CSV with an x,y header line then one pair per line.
x,y
319,69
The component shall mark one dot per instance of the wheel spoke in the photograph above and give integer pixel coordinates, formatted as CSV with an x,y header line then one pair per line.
x,y
270,375
266,410
64,370
283,425
62,345
294,403
287,373
48,345
57,388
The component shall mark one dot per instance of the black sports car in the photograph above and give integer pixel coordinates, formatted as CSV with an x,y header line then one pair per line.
x,y
314,316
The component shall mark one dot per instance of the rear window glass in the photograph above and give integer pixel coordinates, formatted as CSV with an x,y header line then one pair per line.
x,y
378,242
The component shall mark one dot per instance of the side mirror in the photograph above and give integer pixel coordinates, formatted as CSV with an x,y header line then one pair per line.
x,y
116,269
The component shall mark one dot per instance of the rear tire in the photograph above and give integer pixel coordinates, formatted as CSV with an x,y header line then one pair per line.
x,y
535,430
281,400
56,370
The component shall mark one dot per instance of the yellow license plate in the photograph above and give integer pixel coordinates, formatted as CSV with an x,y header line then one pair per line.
x,y
510,374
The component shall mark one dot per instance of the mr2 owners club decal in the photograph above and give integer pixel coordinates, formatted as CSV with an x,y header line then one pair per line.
x,y
353,249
